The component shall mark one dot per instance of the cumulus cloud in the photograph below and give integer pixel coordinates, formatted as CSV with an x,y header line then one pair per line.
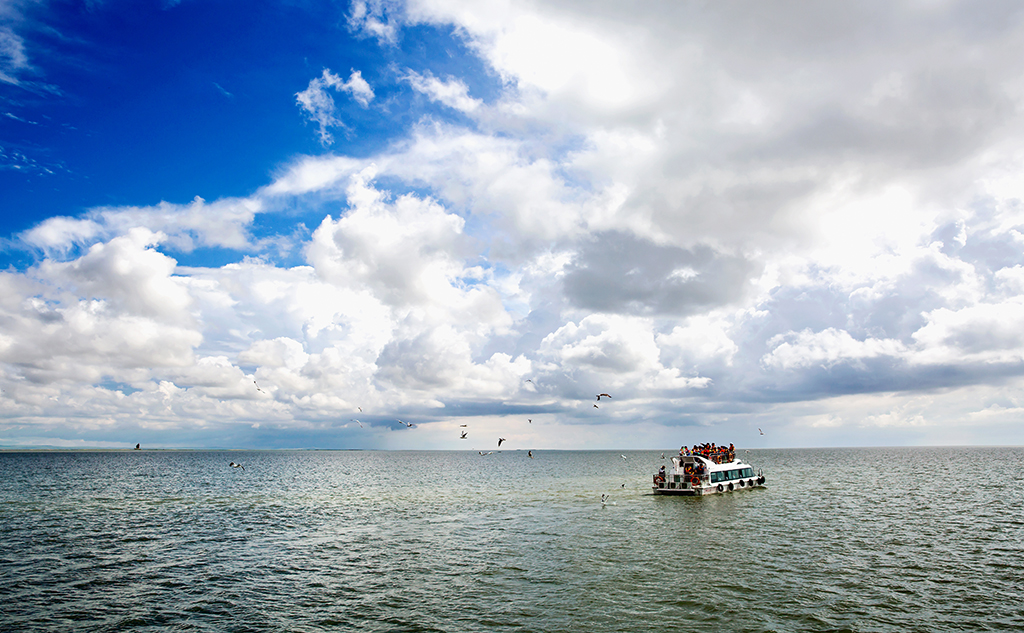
x,y
610,353
223,223
410,255
117,311
702,340
988,333
825,348
406,251
723,214
127,272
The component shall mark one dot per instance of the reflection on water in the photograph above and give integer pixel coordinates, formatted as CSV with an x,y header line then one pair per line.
x,y
843,539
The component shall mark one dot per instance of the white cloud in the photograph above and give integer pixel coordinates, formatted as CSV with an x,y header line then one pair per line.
x,y
722,214
525,196
826,348
615,354
115,312
311,174
13,60
128,272
358,88
223,223
375,18
452,92
407,252
700,340
554,52
60,234
279,352
318,105
986,333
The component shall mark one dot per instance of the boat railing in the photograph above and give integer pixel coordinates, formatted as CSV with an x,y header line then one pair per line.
x,y
719,458
680,481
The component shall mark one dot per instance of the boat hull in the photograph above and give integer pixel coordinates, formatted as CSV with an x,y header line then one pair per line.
x,y
700,491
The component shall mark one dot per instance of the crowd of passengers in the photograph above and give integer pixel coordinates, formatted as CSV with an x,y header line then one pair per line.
x,y
717,454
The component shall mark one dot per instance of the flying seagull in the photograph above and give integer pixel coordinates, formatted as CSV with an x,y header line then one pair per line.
x,y
360,409
527,380
530,420
602,395
623,457
760,431
258,387
487,453
234,465
463,425
463,436
500,440
604,499
408,424
357,422
596,407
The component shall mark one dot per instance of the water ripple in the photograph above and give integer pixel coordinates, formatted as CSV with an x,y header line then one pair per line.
x,y
842,540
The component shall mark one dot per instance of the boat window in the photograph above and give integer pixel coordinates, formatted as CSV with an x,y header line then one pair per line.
x,y
729,475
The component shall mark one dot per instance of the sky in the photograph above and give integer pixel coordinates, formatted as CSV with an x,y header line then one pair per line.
x,y
305,224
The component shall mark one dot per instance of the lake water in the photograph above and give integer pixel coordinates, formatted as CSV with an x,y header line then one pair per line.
x,y
901,539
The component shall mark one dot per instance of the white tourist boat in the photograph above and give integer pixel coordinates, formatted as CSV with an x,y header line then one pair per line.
x,y
698,475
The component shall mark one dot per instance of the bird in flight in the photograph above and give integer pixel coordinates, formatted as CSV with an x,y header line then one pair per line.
x,y
258,387
487,453
530,420
500,440
602,395
528,380
760,431
596,407
408,424
357,422
623,457
360,409
463,436
463,425
234,465
604,499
